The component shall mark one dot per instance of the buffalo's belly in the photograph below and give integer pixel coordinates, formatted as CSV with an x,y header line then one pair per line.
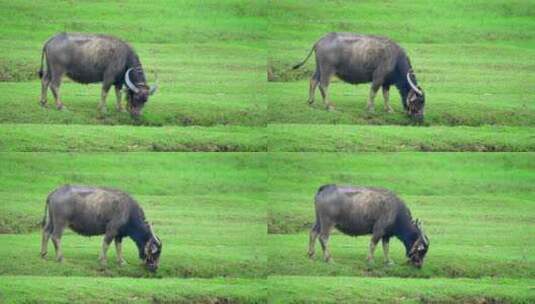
x,y
354,225
354,74
84,75
88,226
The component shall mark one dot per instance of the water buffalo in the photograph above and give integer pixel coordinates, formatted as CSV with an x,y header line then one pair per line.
x,y
89,58
93,211
362,210
357,59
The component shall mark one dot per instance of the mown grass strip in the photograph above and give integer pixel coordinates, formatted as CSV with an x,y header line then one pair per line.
x,y
299,289
88,138
348,138
38,289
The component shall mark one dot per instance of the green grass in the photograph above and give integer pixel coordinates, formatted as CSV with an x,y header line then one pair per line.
x,y
211,63
274,138
208,209
295,289
347,138
18,289
473,60
477,209
88,138
235,225
281,289
185,45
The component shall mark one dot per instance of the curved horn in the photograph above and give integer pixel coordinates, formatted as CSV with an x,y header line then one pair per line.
x,y
154,88
129,83
415,88
420,227
154,235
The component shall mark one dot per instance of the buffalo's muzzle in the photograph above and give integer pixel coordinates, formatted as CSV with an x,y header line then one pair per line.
x,y
417,118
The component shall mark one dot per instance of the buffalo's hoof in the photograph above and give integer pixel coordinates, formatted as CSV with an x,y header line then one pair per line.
x,y
311,255
43,104
389,110
43,254
330,108
329,260
60,107
60,259
122,263
310,102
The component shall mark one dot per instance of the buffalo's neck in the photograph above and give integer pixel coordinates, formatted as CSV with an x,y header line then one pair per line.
x,y
407,237
140,234
402,69
132,60
406,232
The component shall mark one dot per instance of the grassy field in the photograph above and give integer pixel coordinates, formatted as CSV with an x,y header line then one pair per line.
x,y
274,138
209,210
184,45
235,225
473,60
478,211
476,74
89,138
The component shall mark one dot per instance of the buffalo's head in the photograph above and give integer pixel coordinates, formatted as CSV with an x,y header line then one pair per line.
x,y
419,249
152,251
415,100
138,91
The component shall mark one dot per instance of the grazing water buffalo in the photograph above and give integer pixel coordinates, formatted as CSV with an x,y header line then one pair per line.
x,y
357,59
360,211
95,211
88,58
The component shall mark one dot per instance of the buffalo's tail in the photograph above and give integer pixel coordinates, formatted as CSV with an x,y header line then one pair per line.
x,y
43,222
306,58
317,224
40,72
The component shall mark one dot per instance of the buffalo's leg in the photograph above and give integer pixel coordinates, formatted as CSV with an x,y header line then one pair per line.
x,y
45,81
373,91
103,258
46,237
386,97
325,78
118,95
119,251
378,233
386,247
314,81
325,231
56,239
104,94
371,251
55,83
314,232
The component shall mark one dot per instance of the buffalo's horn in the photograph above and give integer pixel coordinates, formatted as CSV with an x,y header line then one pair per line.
x,y
154,87
415,88
421,228
129,83
154,235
